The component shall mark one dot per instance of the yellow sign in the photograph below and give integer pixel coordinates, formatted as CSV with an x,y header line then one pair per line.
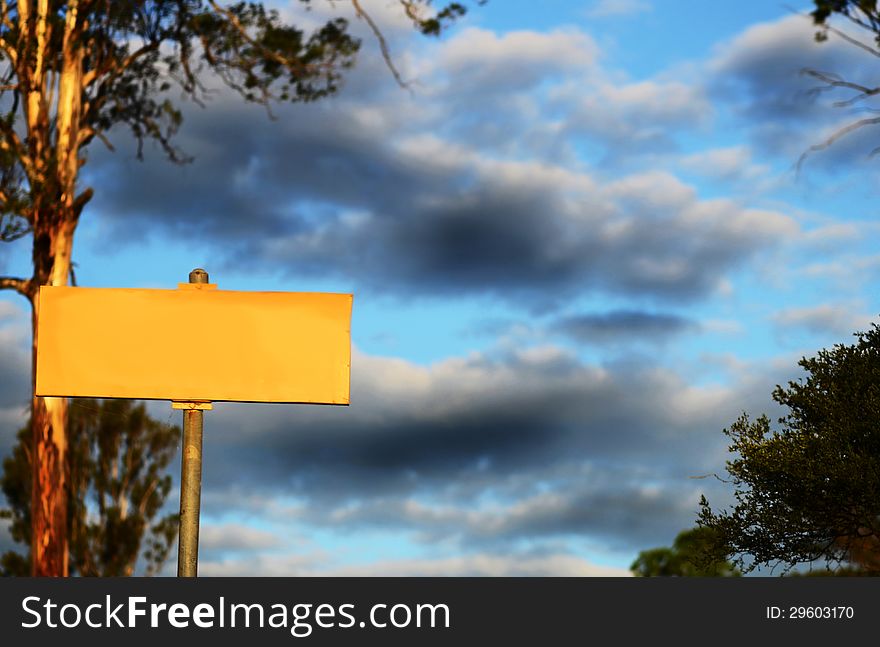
x,y
194,344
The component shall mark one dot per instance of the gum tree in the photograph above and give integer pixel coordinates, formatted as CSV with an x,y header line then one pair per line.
x,y
70,73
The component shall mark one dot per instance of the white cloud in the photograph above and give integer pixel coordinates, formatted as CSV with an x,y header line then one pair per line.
x,y
274,564
722,326
825,318
10,312
483,565
468,565
657,103
579,504
848,269
631,119
730,164
603,8
236,537
516,59
833,233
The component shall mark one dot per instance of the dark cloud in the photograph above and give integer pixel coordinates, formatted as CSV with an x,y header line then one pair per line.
x,y
486,451
15,366
623,326
562,448
767,62
6,541
624,517
422,425
14,390
397,194
319,194
14,350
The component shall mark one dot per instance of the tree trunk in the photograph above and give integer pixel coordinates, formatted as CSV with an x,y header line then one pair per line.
x,y
49,503
49,492
56,210
53,244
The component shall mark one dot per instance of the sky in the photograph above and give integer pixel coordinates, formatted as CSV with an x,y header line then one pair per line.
x,y
580,247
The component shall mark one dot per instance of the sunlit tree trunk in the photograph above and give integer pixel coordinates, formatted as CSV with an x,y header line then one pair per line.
x,y
54,217
49,503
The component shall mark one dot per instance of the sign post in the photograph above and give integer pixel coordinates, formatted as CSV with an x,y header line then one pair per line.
x,y
190,494
190,474
194,346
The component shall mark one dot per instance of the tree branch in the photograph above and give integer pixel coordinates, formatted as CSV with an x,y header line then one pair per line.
x,y
833,81
7,48
145,499
8,235
87,133
10,142
870,25
383,44
292,65
842,132
853,41
4,14
90,76
22,286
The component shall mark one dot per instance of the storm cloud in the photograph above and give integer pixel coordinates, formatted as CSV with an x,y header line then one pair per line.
x,y
485,452
15,365
367,188
623,326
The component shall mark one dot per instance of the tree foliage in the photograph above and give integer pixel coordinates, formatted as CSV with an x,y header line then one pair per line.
x,y
76,71
809,490
694,553
117,480
863,13
73,71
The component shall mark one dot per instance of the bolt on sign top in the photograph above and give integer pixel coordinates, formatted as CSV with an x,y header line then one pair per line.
x,y
194,344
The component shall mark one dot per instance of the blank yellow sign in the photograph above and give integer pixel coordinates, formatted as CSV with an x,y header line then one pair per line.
x,y
194,344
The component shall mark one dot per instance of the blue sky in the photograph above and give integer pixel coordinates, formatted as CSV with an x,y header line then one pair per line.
x,y
579,248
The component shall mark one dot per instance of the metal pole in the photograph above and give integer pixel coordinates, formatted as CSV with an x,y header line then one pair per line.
x,y
190,479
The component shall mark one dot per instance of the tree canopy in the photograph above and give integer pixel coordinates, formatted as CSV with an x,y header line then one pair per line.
x,y
117,486
808,489
694,553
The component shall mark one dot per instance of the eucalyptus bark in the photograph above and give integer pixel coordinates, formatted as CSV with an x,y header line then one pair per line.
x,y
52,168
